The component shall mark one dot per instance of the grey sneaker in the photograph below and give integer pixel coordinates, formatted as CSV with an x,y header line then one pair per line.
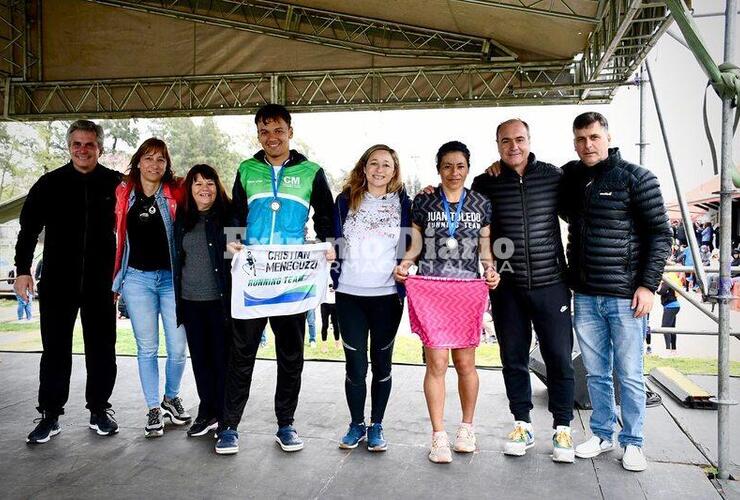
x,y
173,409
154,423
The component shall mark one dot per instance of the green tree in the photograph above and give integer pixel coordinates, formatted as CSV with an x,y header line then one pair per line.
x,y
14,151
51,150
120,130
190,143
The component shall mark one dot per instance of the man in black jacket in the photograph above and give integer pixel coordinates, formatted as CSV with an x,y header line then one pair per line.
x,y
525,197
74,204
618,241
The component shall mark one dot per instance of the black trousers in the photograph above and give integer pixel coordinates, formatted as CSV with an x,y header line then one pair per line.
x,y
209,338
669,320
375,319
59,309
326,311
515,311
289,333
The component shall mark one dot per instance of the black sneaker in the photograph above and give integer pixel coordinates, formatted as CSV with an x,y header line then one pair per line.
x,y
202,426
173,409
103,422
48,426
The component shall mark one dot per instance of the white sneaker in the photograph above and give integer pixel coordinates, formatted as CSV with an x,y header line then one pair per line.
x,y
634,459
520,439
593,447
562,445
440,452
312,344
464,439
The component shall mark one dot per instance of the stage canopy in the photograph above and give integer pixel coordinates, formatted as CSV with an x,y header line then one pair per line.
x,y
146,58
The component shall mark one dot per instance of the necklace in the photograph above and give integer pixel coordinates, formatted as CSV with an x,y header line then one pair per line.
x,y
146,212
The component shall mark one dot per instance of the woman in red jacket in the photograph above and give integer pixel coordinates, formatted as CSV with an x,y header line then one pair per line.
x,y
146,202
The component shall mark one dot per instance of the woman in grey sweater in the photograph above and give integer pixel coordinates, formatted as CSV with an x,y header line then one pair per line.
x,y
202,287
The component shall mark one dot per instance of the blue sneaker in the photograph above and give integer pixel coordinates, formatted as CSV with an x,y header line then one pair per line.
x,y
288,439
375,439
355,434
228,442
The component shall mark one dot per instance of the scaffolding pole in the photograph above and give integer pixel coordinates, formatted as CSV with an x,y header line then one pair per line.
x,y
725,249
687,226
643,116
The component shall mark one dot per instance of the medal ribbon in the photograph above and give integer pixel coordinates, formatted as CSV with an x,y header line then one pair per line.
x,y
452,225
276,182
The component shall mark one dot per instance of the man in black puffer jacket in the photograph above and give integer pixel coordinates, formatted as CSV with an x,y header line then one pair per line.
x,y
533,291
618,241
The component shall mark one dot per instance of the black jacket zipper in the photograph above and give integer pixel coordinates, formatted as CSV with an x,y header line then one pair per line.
x,y
86,208
526,231
586,206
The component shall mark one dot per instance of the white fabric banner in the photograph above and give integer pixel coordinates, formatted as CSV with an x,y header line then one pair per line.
x,y
277,280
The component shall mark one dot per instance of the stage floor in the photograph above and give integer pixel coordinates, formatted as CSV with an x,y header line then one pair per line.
x,y
79,464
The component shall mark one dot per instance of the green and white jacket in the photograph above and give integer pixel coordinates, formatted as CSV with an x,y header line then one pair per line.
x,y
303,185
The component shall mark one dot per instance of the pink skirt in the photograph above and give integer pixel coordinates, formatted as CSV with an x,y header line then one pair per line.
x,y
447,313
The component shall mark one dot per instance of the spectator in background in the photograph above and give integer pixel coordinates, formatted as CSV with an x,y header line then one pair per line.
x,y
735,262
680,232
707,236
671,307
311,322
716,236
698,228
24,306
329,310
687,259
705,254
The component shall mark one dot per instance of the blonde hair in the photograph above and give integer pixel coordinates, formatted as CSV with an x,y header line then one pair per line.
x,y
356,183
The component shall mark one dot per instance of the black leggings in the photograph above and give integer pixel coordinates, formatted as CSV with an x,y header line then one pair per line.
x,y
669,321
376,318
326,311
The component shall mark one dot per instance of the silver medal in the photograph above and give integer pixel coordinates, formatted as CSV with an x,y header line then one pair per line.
x,y
275,205
152,210
451,243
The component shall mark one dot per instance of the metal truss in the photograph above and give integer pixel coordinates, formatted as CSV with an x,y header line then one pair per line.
x,y
17,46
285,20
562,9
625,34
373,89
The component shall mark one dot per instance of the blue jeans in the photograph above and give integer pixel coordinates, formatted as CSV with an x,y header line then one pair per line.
x,y
148,295
24,308
611,337
311,320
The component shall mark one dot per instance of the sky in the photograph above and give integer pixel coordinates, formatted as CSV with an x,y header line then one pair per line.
x,y
338,139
